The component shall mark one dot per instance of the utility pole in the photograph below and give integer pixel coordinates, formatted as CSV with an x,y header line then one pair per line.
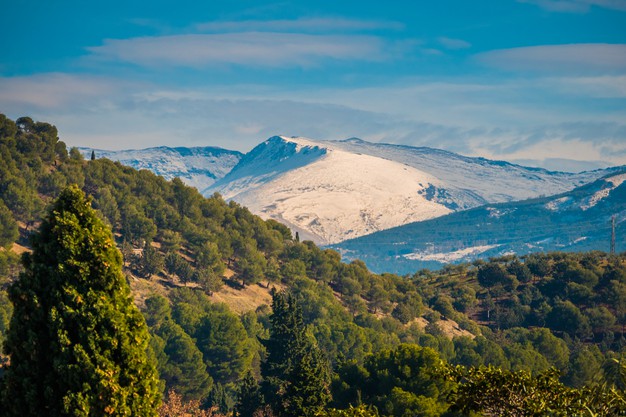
x,y
613,235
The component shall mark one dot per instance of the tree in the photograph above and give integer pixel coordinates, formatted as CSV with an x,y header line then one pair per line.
x,y
296,377
566,317
179,359
402,381
249,397
8,227
151,261
93,155
208,280
495,392
77,342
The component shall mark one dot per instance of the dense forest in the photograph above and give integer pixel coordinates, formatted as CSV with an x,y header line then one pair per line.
x,y
333,338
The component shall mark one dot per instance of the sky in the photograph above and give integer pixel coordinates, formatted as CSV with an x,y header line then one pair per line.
x,y
538,82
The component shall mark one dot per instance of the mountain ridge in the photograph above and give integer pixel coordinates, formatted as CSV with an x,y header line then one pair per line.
x,y
578,220
426,183
196,166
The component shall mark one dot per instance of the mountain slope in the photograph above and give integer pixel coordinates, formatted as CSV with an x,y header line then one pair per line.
x,y
579,220
331,191
197,167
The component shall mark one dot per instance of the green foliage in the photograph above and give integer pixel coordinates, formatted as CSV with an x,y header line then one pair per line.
x,y
77,342
6,309
8,227
249,397
493,391
566,317
180,362
401,381
151,261
296,379
219,334
360,411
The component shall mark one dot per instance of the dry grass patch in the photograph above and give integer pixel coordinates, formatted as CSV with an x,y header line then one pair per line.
x,y
246,299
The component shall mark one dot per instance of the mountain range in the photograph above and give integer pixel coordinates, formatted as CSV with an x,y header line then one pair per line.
x,y
331,191
335,191
578,220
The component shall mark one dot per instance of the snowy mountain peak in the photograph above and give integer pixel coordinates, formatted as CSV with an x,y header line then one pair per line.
x,y
198,167
330,191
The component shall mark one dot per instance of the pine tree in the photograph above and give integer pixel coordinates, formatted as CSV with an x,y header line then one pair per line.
x,y
77,342
296,376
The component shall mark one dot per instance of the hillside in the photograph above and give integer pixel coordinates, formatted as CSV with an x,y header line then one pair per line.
x,y
575,221
330,191
185,254
197,167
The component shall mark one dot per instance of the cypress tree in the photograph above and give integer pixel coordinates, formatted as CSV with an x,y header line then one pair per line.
x,y
249,397
296,376
93,155
77,342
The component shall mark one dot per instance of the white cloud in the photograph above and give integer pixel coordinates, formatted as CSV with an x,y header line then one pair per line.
x,y
255,49
451,43
577,6
567,59
300,25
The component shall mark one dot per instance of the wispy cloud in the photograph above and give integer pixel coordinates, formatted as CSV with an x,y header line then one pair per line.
x,y
254,49
603,86
451,43
567,59
577,6
301,25
469,118
53,90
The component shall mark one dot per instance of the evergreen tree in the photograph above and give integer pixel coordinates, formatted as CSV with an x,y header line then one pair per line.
x,y
93,155
249,397
77,342
296,376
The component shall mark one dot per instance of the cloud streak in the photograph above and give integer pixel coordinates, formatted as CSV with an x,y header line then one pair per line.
x,y
301,25
577,6
567,59
254,49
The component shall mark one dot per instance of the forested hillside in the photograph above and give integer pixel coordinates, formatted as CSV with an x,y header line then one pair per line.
x,y
379,340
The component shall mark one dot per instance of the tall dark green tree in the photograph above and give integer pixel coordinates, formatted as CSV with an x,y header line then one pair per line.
x,y
77,342
296,376
249,397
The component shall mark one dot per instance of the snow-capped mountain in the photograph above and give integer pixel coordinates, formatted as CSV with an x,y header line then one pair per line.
x,y
578,220
331,191
198,167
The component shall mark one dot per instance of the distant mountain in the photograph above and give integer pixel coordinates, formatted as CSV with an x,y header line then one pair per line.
x,y
331,191
578,220
197,167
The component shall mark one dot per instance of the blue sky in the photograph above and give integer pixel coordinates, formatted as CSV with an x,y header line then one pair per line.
x,y
542,82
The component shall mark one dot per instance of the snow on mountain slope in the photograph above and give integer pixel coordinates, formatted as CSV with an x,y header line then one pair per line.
x,y
476,181
331,191
578,220
198,167
328,194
